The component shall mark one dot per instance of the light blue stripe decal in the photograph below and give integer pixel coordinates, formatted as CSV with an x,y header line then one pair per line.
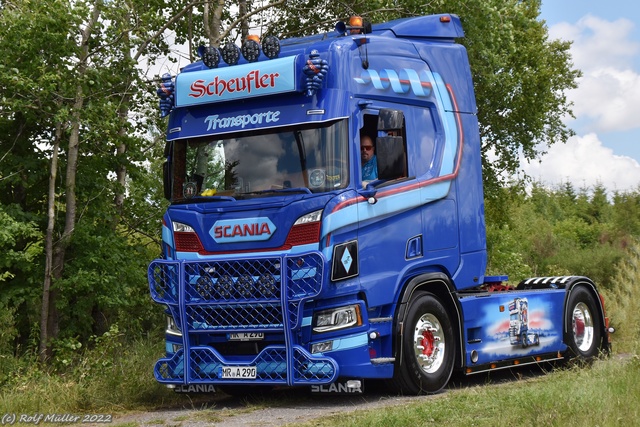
x,y
400,82
167,236
303,273
445,107
350,342
424,190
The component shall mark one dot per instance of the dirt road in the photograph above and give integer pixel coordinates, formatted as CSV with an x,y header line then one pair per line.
x,y
292,407
282,408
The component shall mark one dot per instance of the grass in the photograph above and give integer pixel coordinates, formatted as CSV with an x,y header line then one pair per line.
x,y
604,394
115,376
119,379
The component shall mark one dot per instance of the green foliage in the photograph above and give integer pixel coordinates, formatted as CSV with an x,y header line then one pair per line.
x,y
569,397
19,243
103,279
506,255
521,77
558,232
622,302
111,374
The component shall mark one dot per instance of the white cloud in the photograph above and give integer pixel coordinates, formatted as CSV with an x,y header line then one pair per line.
x,y
585,162
599,43
609,91
609,98
606,101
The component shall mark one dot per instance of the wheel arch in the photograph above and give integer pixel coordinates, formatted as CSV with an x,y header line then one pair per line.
x,y
441,286
589,285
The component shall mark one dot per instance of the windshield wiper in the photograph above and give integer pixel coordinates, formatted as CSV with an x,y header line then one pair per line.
x,y
282,190
208,199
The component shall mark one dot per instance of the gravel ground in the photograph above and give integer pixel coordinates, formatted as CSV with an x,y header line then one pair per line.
x,y
291,407
290,410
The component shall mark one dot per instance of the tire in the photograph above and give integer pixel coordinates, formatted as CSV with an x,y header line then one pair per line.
x,y
583,334
428,347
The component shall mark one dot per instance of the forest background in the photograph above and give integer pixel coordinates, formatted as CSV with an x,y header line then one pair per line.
x,y
81,145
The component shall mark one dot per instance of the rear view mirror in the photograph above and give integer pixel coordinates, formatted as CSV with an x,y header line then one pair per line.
x,y
391,157
390,120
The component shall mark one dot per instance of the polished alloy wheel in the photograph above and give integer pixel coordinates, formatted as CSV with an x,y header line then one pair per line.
x,y
582,325
429,343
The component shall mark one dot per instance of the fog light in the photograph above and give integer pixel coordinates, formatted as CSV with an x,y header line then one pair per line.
x,y
204,287
230,53
322,347
209,55
271,46
250,50
474,356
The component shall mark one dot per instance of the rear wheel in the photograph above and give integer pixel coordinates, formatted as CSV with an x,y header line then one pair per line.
x,y
428,347
584,334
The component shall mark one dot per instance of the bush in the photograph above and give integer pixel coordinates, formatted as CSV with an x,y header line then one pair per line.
x,y
622,302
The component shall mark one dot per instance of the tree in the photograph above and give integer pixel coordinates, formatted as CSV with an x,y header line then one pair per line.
x,y
78,163
65,106
520,76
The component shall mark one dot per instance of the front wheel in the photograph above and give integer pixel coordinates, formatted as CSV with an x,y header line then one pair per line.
x,y
584,326
428,347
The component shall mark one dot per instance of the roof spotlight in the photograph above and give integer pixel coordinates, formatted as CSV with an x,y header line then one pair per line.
x,y
250,50
357,25
209,55
230,53
271,46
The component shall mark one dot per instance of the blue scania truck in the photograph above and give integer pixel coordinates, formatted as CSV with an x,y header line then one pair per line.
x,y
281,267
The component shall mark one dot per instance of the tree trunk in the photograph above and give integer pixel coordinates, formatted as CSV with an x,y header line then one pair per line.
x,y
49,315
244,25
48,249
123,113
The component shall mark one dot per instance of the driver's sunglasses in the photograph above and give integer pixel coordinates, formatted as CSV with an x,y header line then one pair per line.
x,y
366,147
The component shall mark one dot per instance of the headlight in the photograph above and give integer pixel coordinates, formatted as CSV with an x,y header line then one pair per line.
x,y
184,228
337,318
310,217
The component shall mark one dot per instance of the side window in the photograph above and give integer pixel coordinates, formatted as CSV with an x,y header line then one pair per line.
x,y
423,141
368,155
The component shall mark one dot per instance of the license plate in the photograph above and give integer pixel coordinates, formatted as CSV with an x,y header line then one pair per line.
x,y
239,372
247,336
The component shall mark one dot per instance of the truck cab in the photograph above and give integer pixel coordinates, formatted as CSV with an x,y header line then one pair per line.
x,y
282,264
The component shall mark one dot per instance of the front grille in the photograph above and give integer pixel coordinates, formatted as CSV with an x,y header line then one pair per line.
x,y
260,294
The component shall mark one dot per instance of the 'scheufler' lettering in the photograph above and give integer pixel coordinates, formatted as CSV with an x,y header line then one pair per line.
x,y
219,86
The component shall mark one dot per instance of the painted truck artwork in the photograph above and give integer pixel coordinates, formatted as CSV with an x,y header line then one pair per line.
x,y
282,266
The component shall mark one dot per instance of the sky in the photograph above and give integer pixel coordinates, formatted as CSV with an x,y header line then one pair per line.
x,y
606,48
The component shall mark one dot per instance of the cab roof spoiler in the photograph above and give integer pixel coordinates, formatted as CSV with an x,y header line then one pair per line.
x,y
443,26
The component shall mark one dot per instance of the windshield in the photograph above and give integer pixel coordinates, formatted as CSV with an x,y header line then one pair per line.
x,y
301,159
